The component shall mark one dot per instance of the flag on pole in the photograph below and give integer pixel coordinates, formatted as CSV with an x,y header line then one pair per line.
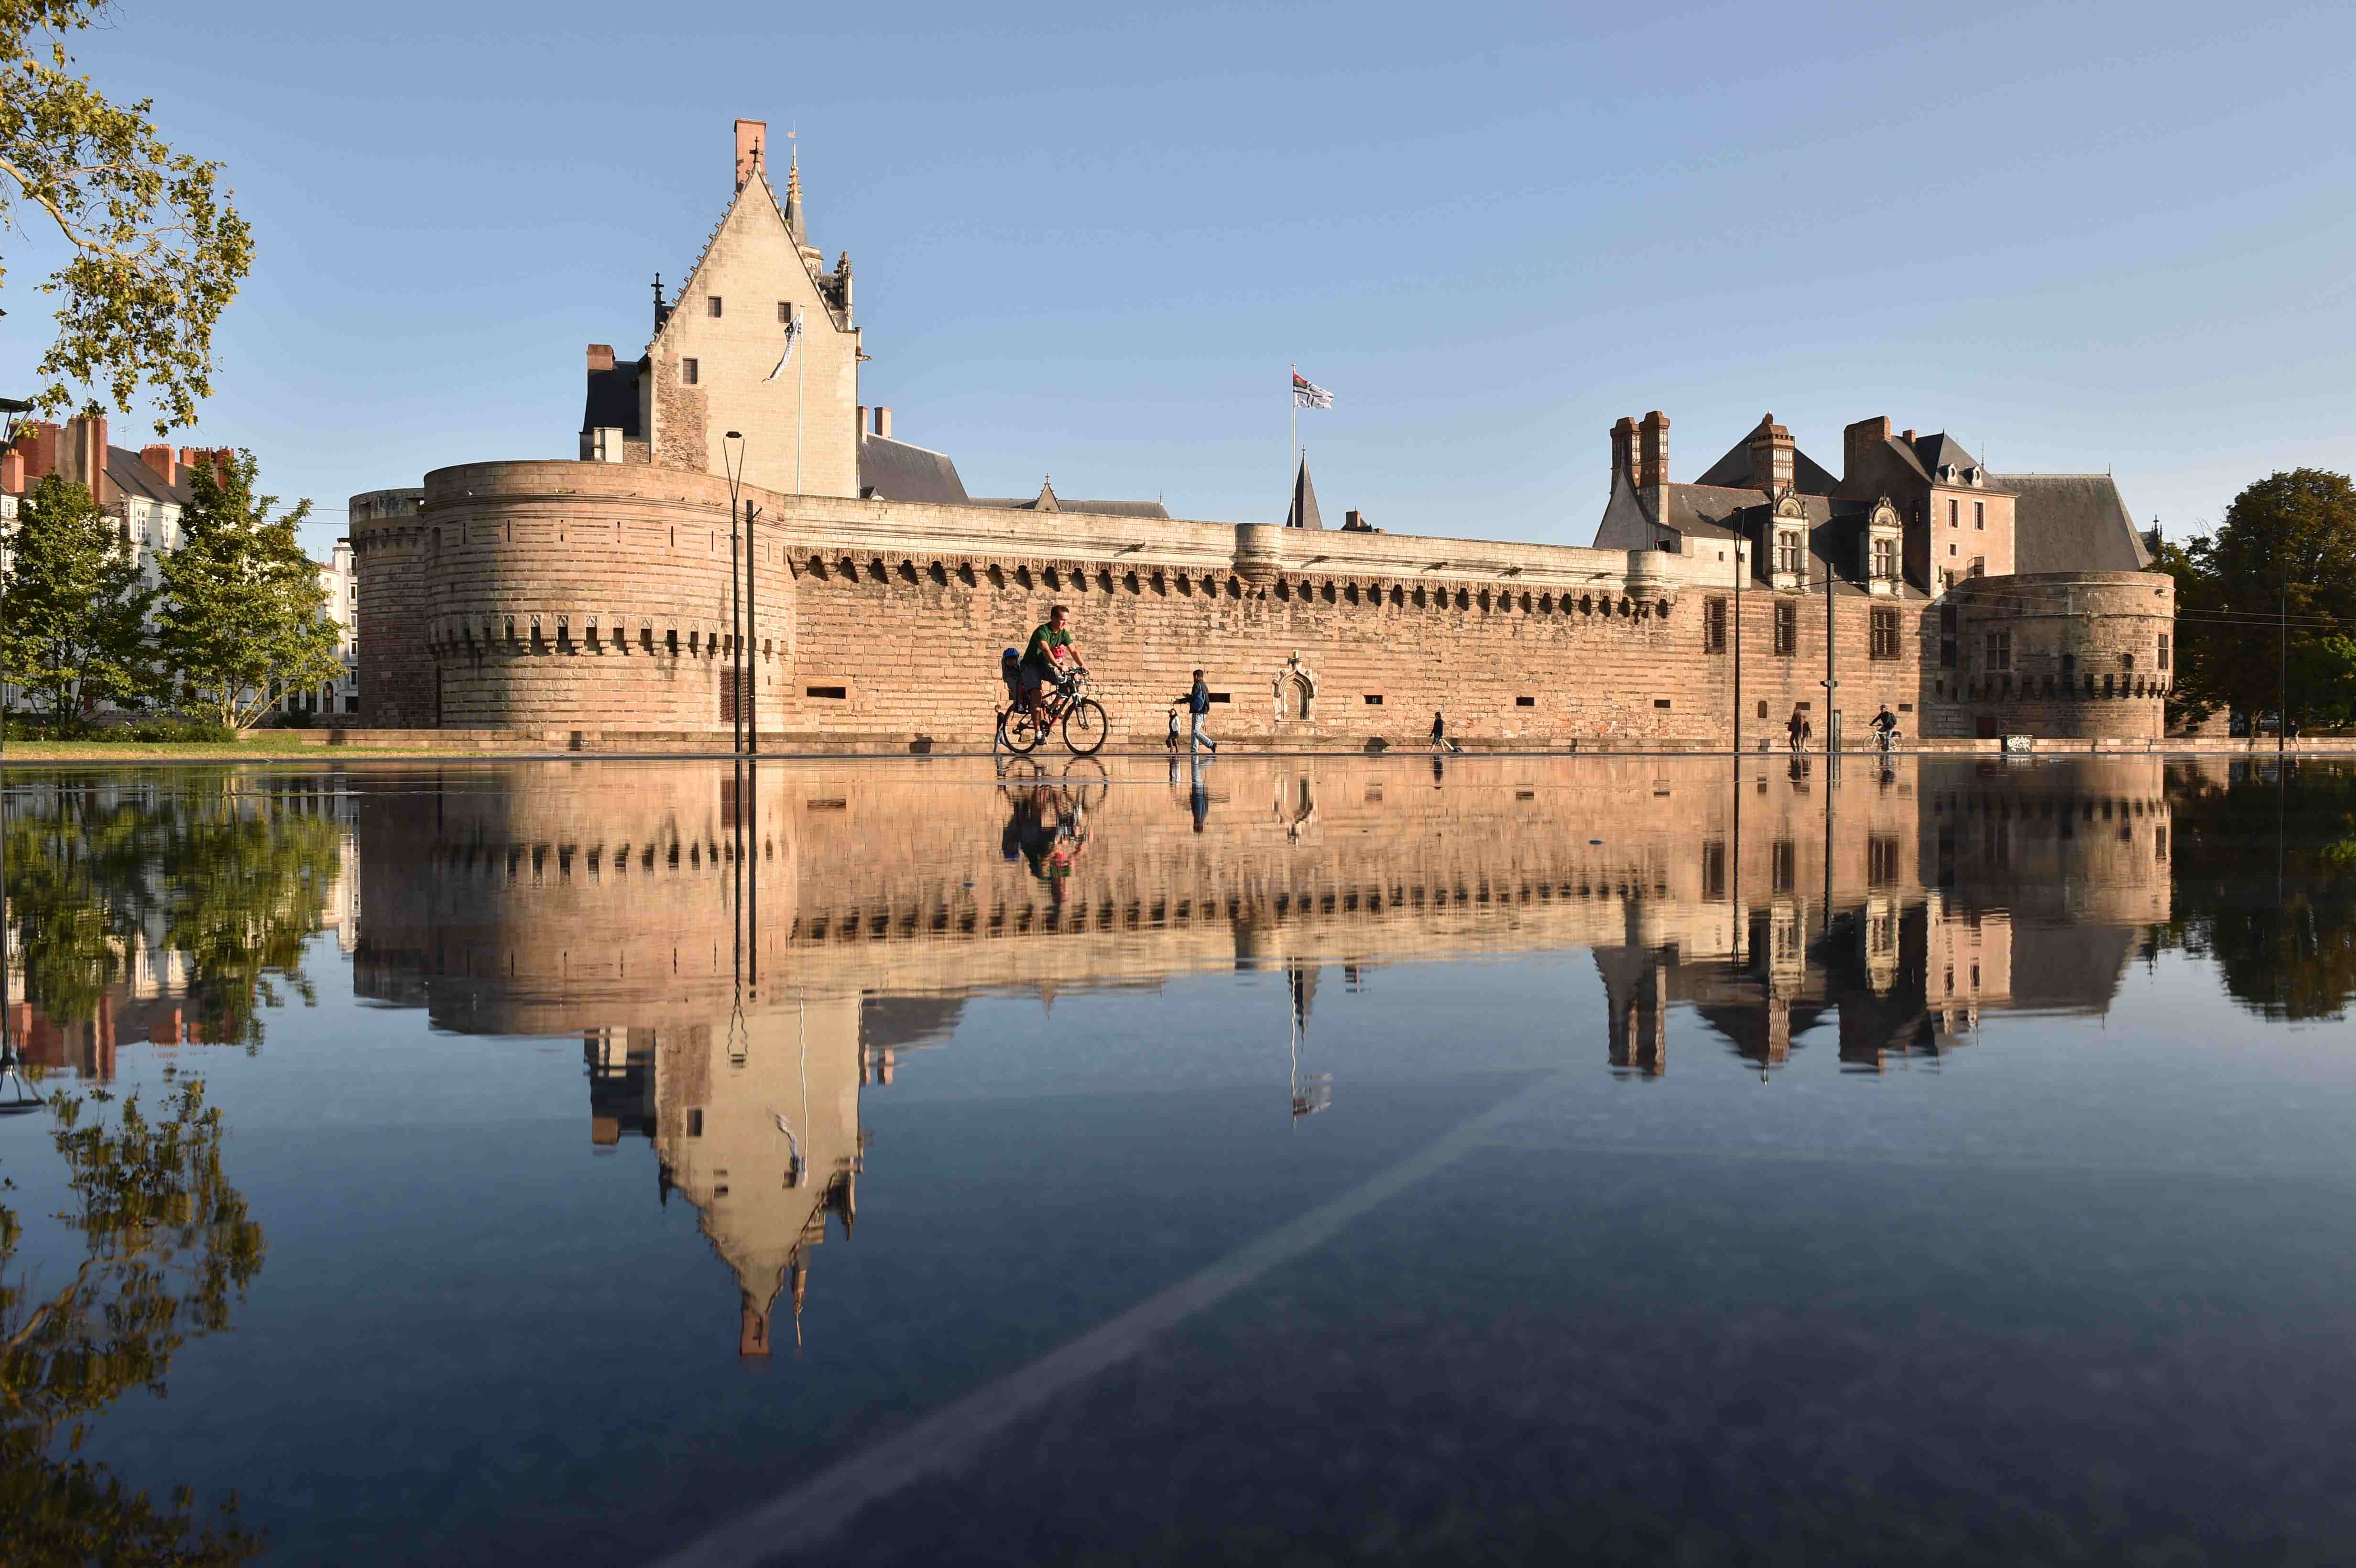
x,y
1308,394
793,336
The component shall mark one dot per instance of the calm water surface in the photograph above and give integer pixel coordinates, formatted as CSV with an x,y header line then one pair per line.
x,y
1515,1160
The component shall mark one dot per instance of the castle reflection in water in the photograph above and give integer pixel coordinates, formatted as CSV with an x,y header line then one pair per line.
x,y
745,953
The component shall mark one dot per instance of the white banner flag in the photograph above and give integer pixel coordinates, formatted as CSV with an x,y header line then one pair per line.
x,y
793,336
1308,394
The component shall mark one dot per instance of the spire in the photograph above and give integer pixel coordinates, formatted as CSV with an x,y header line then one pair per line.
x,y
1303,513
794,220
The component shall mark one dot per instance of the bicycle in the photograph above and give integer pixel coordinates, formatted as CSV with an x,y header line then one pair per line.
x,y
1886,741
1065,703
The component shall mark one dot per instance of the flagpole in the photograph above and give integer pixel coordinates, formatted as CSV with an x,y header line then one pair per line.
x,y
1292,398
799,381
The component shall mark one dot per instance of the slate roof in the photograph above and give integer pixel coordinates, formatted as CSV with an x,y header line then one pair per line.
x,y
1734,471
2073,522
895,471
132,476
1303,513
1065,503
613,400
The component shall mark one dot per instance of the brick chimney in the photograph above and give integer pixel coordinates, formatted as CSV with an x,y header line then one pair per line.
x,y
884,422
82,456
39,445
12,473
1623,449
162,460
1771,456
601,357
1859,439
752,150
1652,450
865,424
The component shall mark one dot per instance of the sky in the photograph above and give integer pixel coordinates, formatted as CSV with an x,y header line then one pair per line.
x,y
1090,241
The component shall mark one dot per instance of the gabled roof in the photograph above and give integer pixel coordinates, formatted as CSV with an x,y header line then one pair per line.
x,y
791,221
895,471
2073,522
1734,470
1932,453
1303,513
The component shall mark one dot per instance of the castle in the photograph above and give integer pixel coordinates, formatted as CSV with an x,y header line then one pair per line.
x,y
594,595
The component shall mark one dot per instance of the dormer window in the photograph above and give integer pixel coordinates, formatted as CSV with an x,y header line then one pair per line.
x,y
1947,470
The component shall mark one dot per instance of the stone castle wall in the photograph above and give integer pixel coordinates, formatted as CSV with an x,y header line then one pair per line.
x,y
541,596
2090,656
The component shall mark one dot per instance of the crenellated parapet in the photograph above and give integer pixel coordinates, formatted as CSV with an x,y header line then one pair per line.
x,y
543,594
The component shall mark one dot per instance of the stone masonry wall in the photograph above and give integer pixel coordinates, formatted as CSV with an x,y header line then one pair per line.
x,y
539,596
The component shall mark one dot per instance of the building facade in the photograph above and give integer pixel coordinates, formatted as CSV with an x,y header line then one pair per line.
x,y
145,492
600,596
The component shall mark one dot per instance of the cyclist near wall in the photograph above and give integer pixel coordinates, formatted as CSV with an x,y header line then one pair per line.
x,y
1050,656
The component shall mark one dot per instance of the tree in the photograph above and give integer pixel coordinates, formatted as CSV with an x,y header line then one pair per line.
x,y
168,1243
74,614
243,616
156,250
2191,694
2290,536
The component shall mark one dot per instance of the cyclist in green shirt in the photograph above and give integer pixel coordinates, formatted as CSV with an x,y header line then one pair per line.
x,y
1048,657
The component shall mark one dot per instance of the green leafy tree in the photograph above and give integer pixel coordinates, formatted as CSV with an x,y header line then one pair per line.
x,y
169,1246
2290,537
2266,884
243,618
233,877
154,250
74,614
2192,694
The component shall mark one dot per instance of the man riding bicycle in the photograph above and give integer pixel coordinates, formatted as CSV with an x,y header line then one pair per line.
x,y
1885,728
1050,656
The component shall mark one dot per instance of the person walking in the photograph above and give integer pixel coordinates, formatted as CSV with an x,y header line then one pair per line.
x,y
1439,741
1171,740
1797,727
1198,707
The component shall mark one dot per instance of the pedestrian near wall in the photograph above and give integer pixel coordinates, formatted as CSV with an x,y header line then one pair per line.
x,y
1439,741
1198,705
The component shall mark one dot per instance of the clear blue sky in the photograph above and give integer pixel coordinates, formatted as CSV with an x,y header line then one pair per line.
x,y
1089,244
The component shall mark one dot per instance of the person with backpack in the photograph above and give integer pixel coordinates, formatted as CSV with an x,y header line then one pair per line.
x,y
1198,705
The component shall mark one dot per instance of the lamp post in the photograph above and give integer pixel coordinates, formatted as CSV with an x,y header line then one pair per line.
x,y
735,470
1741,551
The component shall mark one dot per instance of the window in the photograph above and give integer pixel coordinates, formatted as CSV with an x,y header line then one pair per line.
x,y
1526,702
1374,699
1951,549
1979,514
1713,626
1788,629
1946,580
1783,865
1885,560
1660,702
1880,860
1713,870
2000,650
1885,634
2127,661
1955,513
785,313
2069,669
687,373
1787,549
1979,566
829,693
711,306
2163,650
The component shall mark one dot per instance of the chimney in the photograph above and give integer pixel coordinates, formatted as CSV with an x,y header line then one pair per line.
x,y
1771,456
865,424
12,473
84,456
39,445
752,150
601,358
1623,449
1859,439
162,460
1907,436
884,422
1652,450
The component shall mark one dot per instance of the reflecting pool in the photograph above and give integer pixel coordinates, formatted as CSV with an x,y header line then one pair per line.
x,y
1522,1159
